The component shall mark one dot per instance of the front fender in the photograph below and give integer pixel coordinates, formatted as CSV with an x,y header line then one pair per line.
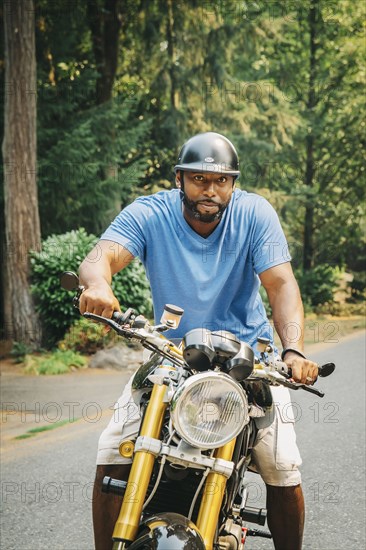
x,y
168,530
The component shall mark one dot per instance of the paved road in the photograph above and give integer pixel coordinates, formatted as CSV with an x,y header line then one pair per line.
x,y
331,438
46,480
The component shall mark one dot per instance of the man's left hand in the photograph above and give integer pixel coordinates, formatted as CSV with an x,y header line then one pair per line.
x,y
303,370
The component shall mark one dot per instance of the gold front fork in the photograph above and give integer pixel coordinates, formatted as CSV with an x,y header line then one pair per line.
x,y
141,470
212,498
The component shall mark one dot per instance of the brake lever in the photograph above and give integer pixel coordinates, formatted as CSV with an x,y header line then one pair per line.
x,y
110,323
311,389
283,380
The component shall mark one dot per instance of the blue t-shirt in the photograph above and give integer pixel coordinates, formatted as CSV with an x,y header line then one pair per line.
x,y
214,279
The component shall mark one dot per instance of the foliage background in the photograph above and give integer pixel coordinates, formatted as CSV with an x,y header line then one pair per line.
x,y
54,305
122,84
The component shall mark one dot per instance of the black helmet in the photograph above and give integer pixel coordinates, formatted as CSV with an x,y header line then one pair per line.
x,y
209,152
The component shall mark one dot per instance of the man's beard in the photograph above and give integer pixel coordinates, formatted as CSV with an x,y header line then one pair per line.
x,y
205,218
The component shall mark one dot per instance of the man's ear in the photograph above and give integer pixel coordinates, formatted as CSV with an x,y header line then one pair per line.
x,y
177,180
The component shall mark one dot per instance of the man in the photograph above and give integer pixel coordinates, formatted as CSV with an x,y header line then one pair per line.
x,y
207,247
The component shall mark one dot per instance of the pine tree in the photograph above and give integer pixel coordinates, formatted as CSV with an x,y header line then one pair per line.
x,y
19,153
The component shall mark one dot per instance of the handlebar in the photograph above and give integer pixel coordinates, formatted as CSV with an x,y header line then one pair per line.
x,y
323,370
277,372
132,326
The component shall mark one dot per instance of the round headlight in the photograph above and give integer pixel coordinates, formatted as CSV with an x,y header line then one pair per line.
x,y
209,409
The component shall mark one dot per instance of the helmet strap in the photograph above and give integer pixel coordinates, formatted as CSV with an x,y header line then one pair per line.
x,y
181,188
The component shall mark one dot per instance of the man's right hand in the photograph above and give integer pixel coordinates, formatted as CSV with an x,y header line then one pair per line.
x,y
99,299
106,259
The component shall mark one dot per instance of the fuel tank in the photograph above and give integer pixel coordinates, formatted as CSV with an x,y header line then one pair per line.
x,y
168,531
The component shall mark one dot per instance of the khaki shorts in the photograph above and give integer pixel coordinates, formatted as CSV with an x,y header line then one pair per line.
x,y
275,455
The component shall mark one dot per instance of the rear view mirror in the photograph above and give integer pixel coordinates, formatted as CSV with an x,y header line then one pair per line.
x,y
69,280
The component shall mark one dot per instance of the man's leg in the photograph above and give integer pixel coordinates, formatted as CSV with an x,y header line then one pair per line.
x,y
106,507
123,425
286,515
276,458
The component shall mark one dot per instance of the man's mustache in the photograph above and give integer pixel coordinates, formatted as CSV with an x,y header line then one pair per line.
x,y
208,202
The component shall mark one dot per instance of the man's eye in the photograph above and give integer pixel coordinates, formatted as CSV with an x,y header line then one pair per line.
x,y
222,180
198,178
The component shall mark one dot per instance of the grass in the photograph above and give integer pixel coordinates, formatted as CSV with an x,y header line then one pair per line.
x,y
327,329
57,362
34,431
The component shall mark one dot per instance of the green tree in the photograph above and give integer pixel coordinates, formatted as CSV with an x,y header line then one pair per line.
x,y
196,65
283,80
90,133
318,64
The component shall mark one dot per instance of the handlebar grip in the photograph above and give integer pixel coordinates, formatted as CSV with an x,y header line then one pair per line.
x,y
326,370
323,370
117,316
124,318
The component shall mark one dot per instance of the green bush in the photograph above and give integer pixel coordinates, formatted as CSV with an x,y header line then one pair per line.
x,y
20,350
358,287
345,309
65,253
317,285
86,337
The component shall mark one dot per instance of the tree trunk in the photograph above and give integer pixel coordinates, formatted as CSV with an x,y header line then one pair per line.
x,y
171,54
22,226
308,257
105,25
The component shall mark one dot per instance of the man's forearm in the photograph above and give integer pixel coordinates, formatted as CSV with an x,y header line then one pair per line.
x,y
96,275
95,270
288,314
106,259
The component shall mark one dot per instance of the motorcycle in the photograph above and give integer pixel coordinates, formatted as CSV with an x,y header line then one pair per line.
x,y
199,399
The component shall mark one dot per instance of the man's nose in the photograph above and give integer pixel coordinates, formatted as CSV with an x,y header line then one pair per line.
x,y
210,189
